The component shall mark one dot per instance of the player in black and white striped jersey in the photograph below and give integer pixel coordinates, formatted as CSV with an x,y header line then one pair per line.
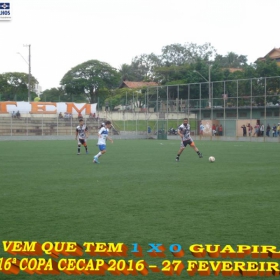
x,y
82,135
184,131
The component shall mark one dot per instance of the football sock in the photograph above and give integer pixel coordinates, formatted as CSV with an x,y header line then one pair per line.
x,y
79,149
99,154
198,152
86,148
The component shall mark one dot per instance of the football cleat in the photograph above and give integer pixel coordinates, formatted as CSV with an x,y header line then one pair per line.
x,y
200,155
78,153
177,158
95,159
87,152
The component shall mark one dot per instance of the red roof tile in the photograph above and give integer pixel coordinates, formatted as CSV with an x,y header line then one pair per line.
x,y
130,84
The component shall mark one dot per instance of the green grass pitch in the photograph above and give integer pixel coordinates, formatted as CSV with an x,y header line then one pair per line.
x,y
139,194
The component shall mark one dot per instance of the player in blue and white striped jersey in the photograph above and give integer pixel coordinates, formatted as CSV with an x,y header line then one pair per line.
x,y
184,131
103,135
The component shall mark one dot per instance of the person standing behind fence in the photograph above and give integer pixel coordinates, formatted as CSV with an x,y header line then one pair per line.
x,y
213,130
18,115
262,129
268,130
201,128
221,130
250,129
217,130
244,130
257,130
278,129
274,129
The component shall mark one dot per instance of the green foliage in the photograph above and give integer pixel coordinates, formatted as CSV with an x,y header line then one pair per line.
x,y
126,97
95,81
59,95
231,60
177,54
89,78
267,68
14,86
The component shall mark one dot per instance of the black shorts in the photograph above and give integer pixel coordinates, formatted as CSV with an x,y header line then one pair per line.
x,y
187,142
82,141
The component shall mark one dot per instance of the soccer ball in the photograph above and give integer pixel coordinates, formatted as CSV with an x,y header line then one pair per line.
x,y
211,159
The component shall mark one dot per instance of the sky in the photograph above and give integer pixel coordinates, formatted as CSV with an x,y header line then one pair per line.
x,y
65,33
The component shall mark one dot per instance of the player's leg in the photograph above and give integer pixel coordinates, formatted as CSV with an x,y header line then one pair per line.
x,y
85,145
192,144
79,147
102,150
182,147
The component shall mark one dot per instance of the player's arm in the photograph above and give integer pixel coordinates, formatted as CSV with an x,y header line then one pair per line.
x,y
180,133
76,134
87,133
110,139
100,132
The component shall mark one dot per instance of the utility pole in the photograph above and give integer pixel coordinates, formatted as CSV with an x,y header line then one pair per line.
x,y
29,70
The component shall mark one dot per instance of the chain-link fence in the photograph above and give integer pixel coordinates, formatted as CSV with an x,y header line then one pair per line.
x,y
233,108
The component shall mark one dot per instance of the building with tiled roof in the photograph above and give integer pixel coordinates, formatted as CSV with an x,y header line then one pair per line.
x,y
130,84
273,54
232,69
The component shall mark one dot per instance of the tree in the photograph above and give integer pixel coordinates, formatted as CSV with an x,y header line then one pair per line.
x,y
134,98
127,73
231,60
89,77
14,86
267,68
177,54
141,68
58,95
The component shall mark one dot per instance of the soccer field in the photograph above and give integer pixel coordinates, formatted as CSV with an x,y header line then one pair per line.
x,y
139,194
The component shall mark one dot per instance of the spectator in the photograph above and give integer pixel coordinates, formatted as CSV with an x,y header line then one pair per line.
x,y
221,130
217,130
213,130
268,130
14,114
244,130
18,115
149,129
80,116
274,130
201,128
60,115
257,130
250,129
262,130
278,129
